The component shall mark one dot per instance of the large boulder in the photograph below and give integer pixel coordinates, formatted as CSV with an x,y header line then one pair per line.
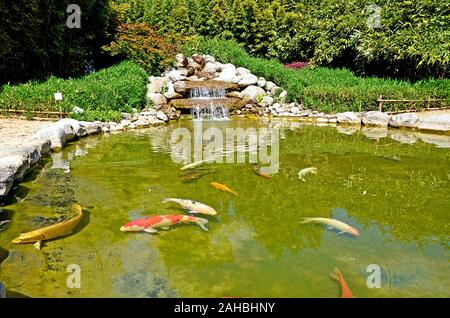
x,y
247,80
348,118
92,128
210,67
175,75
375,118
227,74
75,130
409,120
157,84
54,133
436,122
253,93
158,100
269,86
180,61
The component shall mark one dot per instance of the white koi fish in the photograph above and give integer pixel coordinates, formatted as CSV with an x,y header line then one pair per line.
x,y
302,173
192,206
332,223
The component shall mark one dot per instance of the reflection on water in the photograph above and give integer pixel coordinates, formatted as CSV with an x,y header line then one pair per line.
x,y
393,190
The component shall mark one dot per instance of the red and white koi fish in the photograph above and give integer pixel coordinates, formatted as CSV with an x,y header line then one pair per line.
x,y
345,290
192,206
332,223
151,223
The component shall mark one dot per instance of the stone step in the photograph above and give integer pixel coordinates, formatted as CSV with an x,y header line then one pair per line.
x,y
184,87
189,103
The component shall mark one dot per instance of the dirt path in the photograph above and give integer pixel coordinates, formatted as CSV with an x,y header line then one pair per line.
x,y
14,131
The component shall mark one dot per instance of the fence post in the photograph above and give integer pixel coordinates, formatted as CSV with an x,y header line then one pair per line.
x,y
380,103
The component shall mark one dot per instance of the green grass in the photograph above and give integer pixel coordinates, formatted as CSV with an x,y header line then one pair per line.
x,y
326,89
103,95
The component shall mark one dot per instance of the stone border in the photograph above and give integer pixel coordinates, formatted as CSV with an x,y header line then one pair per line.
x,y
16,162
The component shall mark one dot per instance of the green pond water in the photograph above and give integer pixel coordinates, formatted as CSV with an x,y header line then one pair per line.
x,y
397,196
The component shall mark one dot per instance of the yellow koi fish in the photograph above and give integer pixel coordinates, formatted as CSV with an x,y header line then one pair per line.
x,y
52,231
224,188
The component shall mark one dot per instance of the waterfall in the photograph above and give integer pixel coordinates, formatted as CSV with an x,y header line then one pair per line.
x,y
210,107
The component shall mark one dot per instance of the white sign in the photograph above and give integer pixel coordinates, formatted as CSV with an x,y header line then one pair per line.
x,y
58,96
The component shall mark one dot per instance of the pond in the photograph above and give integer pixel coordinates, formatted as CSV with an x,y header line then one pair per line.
x,y
396,195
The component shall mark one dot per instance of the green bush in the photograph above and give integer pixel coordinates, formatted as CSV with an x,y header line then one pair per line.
x,y
323,88
103,95
138,42
410,40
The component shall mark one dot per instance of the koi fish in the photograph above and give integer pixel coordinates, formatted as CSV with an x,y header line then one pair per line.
x,y
192,206
223,187
196,164
151,223
193,175
257,170
302,173
332,223
52,231
345,290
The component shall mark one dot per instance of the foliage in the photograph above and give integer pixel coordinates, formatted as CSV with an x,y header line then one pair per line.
x,y
103,95
411,39
323,88
141,44
35,41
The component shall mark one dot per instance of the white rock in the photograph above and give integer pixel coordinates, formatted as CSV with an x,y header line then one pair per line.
x,y
158,100
210,68
161,116
175,76
181,60
375,118
75,126
437,122
261,82
404,120
227,74
247,80
269,86
157,84
242,71
267,101
295,110
54,133
253,93
77,110
349,118
283,96
209,58
169,90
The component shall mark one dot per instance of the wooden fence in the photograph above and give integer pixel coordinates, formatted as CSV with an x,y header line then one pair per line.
x,y
428,104
34,114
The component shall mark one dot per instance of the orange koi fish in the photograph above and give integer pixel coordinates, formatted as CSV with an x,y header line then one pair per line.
x,y
345,290
151,223
257,170
223,187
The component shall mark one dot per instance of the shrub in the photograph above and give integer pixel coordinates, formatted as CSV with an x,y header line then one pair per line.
x,y
103,95
138,42
323,88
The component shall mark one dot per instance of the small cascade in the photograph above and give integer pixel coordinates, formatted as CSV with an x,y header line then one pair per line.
x,y
211,112
204,92
210,107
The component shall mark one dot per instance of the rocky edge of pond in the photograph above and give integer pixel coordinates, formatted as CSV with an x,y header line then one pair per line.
x,y
258,96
